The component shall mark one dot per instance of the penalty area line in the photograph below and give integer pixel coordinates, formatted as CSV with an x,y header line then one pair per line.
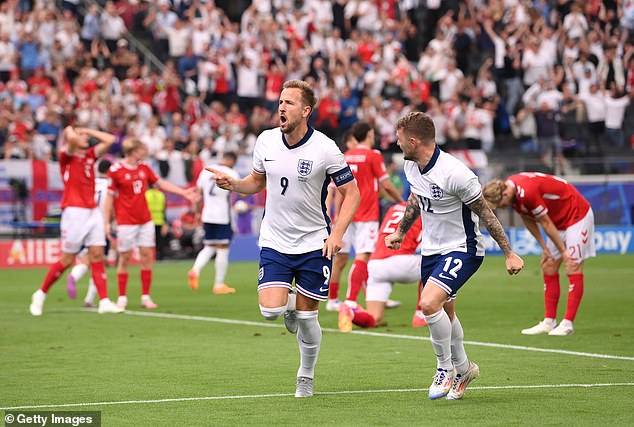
x,y
374,334
323,393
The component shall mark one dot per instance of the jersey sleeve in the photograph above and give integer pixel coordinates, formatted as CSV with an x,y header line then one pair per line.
x,y
258,155
465,184
152,177
533,201
336,166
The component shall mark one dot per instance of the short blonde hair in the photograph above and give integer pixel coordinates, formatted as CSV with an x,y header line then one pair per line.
x,y
492,192
308,94
131,144
418,125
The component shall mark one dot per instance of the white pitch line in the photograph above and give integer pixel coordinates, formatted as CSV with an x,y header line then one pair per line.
x,y
377,334
329,393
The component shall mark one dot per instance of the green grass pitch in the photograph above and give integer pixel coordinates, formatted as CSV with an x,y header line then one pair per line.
x,y
191,367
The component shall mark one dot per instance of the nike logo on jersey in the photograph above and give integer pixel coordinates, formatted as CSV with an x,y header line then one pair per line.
x,y
269,160
322,289
443,276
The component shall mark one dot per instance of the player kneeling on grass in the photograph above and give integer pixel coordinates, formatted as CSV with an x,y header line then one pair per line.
x,y
82,221
386,267
129,180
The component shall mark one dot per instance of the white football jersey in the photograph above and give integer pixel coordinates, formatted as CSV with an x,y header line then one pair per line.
x,y
297,179
101,191
443,190
217,203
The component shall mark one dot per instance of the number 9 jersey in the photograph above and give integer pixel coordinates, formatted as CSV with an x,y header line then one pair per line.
x,y
443,190
297,179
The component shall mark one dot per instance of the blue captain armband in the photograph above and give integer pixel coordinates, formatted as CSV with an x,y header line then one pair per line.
x,y
342,176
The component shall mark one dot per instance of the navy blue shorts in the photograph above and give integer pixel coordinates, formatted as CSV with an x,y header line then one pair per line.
x,y
450,271
217,234
311,272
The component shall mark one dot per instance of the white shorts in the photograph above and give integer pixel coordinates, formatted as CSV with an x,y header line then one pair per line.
x,y
135,236
578,238
81,226
361,236
382,273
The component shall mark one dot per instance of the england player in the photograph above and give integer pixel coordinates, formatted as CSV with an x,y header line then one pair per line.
x,y
129,179
568,221
448,197
216,217
385,267
81,268
371,176
77,160
295,163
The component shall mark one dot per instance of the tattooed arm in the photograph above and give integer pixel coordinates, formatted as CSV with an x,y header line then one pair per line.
x,y
513,262
412,212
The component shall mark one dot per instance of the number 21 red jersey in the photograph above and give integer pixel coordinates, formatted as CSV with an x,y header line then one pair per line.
x,y
389,225
128,185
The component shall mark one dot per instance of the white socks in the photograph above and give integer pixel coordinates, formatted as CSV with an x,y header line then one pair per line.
x,y
78,271
440,331
458,354
309,340
92,292
222,263
203,258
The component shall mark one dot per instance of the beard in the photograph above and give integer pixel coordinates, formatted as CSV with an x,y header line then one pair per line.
x,y
288,126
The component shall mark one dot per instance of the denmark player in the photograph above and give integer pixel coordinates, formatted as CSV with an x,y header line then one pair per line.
x,y
295,163
568,221
370,173
216,217
448,197
77,162
83,261
129,180
386,267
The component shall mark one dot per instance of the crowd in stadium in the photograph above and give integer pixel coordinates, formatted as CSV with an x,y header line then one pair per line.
x,y
544,73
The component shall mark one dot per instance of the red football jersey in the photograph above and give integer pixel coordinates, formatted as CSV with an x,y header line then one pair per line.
x,y
389,225
368,169
129,185
539,194
78,173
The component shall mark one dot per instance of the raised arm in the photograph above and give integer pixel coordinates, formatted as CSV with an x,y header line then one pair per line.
x,y
514,263
105,139
251,184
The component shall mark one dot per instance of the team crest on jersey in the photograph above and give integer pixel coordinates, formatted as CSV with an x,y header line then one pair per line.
x,y
436,192
304,167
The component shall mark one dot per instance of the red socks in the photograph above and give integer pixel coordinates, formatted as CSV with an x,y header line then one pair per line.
x,y
53,274
99,277
551,295
363,319
146,281
357,279
122,281
334,290
575,293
